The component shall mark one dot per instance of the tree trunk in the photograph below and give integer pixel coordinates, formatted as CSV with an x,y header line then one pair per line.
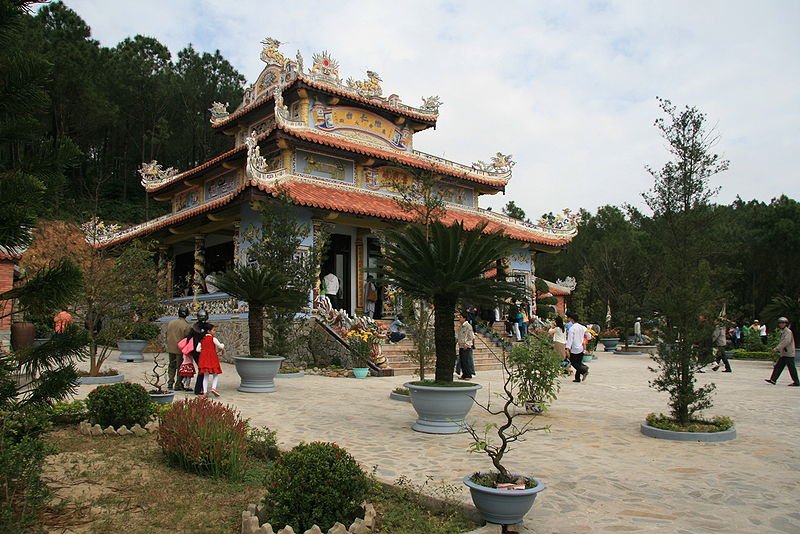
x,y
445,338
255,323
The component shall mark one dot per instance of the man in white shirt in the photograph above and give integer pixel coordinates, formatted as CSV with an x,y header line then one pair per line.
x,y
576,337
637,331
465,337
330,286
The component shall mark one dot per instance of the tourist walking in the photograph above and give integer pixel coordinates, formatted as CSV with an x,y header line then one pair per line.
x,y
208,364
719,340
575,345
762,332
465,337
186,372
559,335
197,333
637,332
177,329
785,350
370,297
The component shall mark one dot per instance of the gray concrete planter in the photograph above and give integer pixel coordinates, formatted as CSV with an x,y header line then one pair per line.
x,y
610,343
503,507
299,374
257,374
705,437
162,398
797,357
399,397
131,350
39,341
441,410
91,380
648,349
620,352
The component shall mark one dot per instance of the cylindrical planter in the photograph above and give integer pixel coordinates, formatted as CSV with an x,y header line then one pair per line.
x,y
797,357
22,335
503,507
162,398
92,380
360,372
257,374
131,350
587,357
39,341
610,343
298,374
705,437
399,397
441,410
623,352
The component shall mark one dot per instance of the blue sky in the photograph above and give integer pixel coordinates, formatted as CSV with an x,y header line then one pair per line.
x,y
568,88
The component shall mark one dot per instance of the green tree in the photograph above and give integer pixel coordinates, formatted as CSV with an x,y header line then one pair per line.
x,y
682,290
442,265
512,210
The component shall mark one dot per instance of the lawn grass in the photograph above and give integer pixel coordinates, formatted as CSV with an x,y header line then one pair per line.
x,y
122,484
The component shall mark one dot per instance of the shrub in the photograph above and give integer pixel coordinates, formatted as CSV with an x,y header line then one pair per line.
x,y
146,331
314,484
206,437
24,494
68,413
743,354
262,443
18,423
535,369
119,404
716,424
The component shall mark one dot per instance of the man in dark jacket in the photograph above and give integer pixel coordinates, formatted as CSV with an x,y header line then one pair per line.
x,y
177,329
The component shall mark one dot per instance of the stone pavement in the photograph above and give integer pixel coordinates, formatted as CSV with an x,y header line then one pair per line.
x,y
601,473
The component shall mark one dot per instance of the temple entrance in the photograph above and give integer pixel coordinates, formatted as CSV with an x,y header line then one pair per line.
x,y
335,271
373,260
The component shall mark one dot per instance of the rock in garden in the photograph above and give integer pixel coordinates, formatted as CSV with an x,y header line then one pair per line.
x,y
359,527
249,523
84,427
337,528
151,427
138,430
313,530
109,431
123,431
286,530
369,516
96,430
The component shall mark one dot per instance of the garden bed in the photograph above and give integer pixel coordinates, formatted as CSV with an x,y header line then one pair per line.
x,y
125,485
739,354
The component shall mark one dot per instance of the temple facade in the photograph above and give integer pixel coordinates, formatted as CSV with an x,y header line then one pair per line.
x,y
337,147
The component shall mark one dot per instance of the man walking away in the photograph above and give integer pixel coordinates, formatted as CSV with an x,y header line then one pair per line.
x,y
637,332
785,350
465,337
719,341
177,329
575,339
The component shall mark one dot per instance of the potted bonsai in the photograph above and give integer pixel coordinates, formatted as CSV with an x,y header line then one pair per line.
x,y
156,379
442,265
131,349
531,377
276,283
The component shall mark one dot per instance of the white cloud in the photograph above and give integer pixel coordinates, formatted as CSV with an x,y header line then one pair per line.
x,y
568,88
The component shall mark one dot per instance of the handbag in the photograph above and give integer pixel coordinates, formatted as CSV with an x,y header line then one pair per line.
x,y
186,345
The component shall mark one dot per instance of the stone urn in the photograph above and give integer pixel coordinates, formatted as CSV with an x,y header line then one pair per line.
x,y
610,343
257,374
131,350
501,506
441,409
162,398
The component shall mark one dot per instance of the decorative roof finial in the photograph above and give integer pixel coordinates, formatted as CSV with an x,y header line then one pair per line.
x,y
432,103
367,88
500,163
270,54
325,67
218,111
154,175
564,221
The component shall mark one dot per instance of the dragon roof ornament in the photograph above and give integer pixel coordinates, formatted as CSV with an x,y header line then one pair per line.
x,y
499,163
568,283
564,221
219,112
257,165
96,231
369,88
153,175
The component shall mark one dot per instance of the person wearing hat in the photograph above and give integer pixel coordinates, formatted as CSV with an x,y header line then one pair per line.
x,y
177,329
785,350
637,332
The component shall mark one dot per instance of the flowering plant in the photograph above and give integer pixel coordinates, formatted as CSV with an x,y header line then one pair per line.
x,y
609,332
360,345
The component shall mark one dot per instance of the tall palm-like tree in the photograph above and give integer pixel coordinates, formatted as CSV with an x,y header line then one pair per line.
x,y
260,286
444,267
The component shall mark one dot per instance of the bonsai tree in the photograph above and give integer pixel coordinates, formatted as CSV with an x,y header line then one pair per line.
x,y
531,376
442,265
155,378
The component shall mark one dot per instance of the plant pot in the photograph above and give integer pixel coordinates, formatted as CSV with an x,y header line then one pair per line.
x,y
92,380
298,374
705,437
22,335
162,398
587,357
797,357
399,396
610,343
39,341
441,410
257,374
503,507
360,372
131,350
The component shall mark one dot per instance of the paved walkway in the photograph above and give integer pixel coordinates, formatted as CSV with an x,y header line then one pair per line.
x,y
601,474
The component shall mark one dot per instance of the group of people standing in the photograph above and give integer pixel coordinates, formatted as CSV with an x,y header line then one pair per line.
x,y
189,346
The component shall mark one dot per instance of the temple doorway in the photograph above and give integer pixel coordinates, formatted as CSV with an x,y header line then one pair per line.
x,y
374,256
337,263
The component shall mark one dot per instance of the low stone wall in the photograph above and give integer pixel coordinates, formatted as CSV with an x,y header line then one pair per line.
x,y
251,524
87,429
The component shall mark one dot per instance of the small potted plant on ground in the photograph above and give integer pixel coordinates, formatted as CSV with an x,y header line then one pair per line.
x,y
359,344
609,338
155,378
501,496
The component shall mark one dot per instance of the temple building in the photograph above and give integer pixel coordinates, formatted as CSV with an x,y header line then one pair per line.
x,y
337,147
